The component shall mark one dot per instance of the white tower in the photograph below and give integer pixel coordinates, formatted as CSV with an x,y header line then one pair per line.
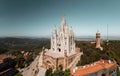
x,y
63,40
98,41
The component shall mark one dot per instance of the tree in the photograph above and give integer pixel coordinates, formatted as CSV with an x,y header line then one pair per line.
x,y
20,60
48,72
67,72
118,71
18,74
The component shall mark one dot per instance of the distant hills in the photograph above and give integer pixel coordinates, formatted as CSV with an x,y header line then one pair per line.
x,y
92,38
14,43
79,38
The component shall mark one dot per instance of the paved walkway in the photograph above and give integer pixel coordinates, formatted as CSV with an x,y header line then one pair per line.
x,y
35,66
41,69
31,69
41,72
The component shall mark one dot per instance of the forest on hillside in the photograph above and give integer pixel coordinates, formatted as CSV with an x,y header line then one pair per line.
x,y
11,45
91,54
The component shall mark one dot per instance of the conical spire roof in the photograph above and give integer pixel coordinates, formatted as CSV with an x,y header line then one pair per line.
x,y
63,21
63,24
98,32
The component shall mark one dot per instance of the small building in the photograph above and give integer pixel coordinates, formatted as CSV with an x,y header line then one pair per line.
x,y
99,68
3,56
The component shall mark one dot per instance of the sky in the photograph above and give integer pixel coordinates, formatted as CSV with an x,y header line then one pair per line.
x,y
37,18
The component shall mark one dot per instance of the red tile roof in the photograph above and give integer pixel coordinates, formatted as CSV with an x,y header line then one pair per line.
x,y
2,56
91,68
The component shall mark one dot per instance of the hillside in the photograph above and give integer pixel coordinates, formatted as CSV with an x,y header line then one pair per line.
x,y
91,54
18,44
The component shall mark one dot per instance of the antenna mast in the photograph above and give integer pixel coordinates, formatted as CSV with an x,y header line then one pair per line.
x,y
107,34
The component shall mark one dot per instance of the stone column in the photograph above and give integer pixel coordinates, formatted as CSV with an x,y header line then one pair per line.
x,y
65,60
56,64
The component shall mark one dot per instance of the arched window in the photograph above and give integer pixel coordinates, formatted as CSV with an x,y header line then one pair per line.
x,y
103,75
59,49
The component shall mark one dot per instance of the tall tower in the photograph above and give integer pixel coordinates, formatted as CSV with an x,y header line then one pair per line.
x,y
98,40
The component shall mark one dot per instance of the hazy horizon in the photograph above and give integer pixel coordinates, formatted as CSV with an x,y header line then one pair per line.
x,y
81,38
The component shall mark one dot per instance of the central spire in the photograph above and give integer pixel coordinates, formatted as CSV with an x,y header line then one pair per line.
x,y
63,23
63,19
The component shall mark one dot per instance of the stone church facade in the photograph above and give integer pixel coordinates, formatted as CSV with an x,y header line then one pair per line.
x,y
63,51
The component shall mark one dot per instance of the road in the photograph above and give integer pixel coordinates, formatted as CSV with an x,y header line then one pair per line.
x,y
42,70
32,69
35,68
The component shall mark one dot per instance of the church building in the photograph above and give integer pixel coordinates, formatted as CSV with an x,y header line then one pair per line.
x,y
63,51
